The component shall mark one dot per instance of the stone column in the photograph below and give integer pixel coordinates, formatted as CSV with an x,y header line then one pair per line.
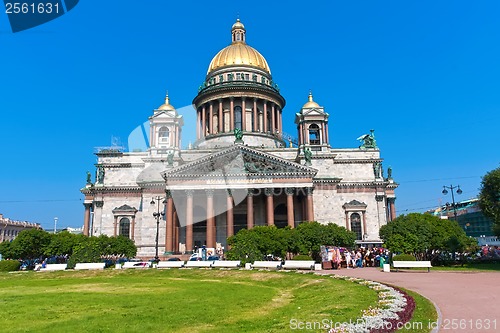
x,y
86,219
132,229
231,112
243,115
221,117
264,130
392,208
210,218
250,218
280,125
189,220
211,118
365,232
255,116
229,214
289,207
270,206
326,133
198,124
323,134
115,224
203,122
273,119
169,223
301,140
310,204
347,224
175,232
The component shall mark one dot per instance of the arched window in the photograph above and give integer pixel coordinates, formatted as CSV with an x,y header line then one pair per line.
x,y
356,225
237,117
314,138
125,227
164,135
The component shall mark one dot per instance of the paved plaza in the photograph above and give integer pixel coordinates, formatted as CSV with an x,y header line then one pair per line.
x,y
466,298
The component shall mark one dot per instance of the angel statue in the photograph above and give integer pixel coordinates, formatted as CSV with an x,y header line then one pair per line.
x,y
238,134
368,140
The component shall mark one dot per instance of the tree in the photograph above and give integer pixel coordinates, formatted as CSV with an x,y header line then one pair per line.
x,y
5,250
119,246
88,250
256,243
409,234
62,243
30,244
489,198
425,236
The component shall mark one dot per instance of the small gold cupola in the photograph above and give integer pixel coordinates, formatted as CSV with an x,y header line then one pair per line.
x,y
238,32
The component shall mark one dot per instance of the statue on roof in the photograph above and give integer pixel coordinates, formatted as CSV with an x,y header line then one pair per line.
x,y
368,140
89,178
308,156
238,134
377,170
100,174
170,159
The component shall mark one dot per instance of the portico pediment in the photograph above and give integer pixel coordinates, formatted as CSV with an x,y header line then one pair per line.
x,y
240,162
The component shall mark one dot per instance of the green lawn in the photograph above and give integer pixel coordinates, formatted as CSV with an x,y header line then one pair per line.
x,y
424,316
494,266
175,301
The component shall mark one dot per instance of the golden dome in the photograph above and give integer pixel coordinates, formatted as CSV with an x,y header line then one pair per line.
x,y
238,53
310,103
166,106
238,25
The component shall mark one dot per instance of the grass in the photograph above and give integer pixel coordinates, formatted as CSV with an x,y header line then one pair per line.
x,y
175,301
467,267
424,316
479,266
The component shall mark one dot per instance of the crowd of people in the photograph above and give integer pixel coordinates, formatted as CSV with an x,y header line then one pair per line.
x,y
356,258
490,252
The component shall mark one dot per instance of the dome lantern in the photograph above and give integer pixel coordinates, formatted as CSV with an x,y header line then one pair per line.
x,y
238,32
238,53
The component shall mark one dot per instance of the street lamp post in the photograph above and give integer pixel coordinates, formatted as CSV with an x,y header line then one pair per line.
x,y
451,188
157,215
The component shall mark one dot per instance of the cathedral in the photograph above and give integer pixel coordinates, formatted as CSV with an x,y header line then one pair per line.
x,y
241,172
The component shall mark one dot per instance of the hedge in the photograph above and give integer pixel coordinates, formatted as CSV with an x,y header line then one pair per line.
x,y
9,265
404,257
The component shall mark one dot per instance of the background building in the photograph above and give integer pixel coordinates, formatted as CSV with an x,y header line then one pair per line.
x,y
471,219
9,229
241,172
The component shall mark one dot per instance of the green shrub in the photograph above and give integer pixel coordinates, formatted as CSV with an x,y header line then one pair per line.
x,y
404,257
9,265
302,257
87,251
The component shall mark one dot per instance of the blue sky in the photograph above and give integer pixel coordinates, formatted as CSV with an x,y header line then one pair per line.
x,y
424,75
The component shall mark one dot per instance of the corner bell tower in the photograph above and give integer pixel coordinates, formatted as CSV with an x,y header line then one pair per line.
x,y
165,130
312,126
